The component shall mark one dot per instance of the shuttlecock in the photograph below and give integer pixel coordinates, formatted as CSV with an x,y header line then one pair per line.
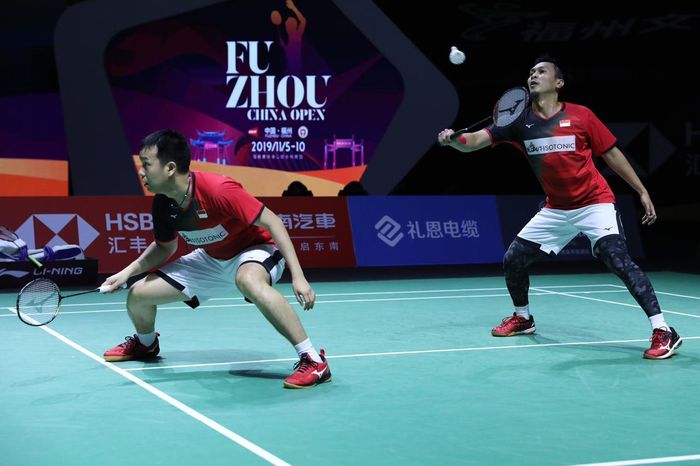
x,y
457,57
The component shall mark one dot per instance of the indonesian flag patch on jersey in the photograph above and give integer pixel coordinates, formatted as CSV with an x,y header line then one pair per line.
x,y
564,123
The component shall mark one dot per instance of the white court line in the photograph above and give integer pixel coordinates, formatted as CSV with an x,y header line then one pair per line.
x,y
666,459
401,353
337,301
666,293
678,295
454,290
247,444
378,293
612,302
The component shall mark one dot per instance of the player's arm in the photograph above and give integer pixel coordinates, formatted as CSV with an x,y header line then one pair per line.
x,y
619,164
154,255
467,142
302,290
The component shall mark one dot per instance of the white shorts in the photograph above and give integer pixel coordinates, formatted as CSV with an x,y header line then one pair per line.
x,y
200,276
552,229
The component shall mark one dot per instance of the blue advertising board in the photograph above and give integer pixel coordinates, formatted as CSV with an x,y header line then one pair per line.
x,y
425,230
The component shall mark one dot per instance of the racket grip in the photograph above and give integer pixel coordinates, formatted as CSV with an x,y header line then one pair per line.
x,y
105,288
458,133
35,261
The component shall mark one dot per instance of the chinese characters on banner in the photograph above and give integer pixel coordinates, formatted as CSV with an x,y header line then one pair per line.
x,y
115,230
319,228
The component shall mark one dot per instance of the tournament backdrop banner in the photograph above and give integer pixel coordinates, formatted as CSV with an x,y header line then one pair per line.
x,y
261,90
425,230
115,230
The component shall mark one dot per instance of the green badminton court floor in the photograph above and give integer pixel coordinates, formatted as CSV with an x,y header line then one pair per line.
x,y
417,380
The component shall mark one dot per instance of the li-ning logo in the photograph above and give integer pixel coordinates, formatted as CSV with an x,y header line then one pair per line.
x,y
388,230
59,271
13,273
547,145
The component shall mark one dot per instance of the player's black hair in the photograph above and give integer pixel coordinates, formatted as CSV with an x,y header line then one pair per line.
x,y
558,67
171,147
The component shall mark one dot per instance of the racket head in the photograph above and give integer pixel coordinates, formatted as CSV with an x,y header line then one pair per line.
x,y
511,106
38,302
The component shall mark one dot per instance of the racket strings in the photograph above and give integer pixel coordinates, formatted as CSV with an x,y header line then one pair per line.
x,y
39,297
510,106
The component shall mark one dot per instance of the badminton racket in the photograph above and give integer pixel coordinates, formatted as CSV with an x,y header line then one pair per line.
x,y
509,107
38,301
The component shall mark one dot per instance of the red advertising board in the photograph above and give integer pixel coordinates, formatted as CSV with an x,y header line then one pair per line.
x,y
115,230
319,228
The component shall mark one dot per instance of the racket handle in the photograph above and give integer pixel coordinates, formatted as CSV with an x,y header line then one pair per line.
x,y
105,288
35,261
458,133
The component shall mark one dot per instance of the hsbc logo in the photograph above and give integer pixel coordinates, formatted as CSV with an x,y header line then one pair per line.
x,y
56,229
388,231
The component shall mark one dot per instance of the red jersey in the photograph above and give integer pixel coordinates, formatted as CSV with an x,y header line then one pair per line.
x,y
560,150
219,218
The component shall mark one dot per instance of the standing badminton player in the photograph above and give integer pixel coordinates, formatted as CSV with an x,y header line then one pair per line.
x,y
239,242
560,140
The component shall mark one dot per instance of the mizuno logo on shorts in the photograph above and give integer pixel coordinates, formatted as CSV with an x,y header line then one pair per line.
x,y
206,236
548,145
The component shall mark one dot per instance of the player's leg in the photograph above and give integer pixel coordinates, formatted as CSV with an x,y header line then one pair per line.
x,y
144,297
173,282
612,251
141,303
520,255
547,232
601,223
260,268
253,281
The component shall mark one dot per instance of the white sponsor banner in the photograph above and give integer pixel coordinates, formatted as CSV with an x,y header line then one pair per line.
x,y
206,236
547,145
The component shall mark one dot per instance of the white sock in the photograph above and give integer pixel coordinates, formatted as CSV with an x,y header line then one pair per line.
x,y
523,311
306,347
147,339
658,321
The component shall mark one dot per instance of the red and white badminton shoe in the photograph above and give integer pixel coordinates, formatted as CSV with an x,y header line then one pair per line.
x,y
514,325
132,349
309,373
663,344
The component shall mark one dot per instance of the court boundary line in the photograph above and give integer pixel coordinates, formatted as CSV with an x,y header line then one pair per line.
x,y
666,311
664,292
336,301
539,291
399,353
664,459
212,424
364,293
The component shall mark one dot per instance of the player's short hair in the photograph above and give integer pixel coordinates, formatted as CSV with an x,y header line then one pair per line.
x,y
171,147
558,68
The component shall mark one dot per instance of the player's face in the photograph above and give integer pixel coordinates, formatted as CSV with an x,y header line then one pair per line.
x,y
543,79
153,175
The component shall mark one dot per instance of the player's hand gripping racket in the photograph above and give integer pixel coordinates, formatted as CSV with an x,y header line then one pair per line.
x,y
507,110
38,301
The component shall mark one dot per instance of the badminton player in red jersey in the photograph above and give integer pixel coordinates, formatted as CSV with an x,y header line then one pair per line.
x,y
239,242
560,140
